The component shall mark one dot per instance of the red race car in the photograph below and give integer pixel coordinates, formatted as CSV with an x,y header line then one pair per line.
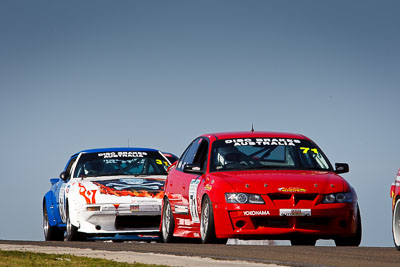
x,y
395,195
259,185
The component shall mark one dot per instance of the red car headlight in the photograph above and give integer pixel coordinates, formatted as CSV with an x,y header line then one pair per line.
x,y
243,198
338,198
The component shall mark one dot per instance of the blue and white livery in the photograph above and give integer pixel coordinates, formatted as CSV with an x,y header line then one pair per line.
x,y
109,193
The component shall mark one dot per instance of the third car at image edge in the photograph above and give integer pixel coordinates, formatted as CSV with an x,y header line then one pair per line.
x,y
395,195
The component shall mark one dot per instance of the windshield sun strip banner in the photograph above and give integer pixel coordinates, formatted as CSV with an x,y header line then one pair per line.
x,y
263,141
122,154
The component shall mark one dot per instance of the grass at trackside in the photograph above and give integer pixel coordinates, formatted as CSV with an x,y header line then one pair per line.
x,y
17,258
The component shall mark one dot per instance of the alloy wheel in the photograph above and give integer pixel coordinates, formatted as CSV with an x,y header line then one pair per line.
x,y
166,221
205,216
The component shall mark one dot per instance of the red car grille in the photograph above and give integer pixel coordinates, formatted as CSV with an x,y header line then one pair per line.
x,y
270,222
297,197
288,222
279,196
292,199
304,222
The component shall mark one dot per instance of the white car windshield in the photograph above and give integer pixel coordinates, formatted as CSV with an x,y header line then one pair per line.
x,y
121,163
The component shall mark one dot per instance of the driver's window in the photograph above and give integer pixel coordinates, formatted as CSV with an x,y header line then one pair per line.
x,y
79,170
201,154
69,167
189,154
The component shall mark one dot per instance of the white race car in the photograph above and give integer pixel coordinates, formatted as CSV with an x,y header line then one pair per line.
x,y
111,193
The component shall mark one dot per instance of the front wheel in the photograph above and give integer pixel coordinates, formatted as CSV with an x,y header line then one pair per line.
x,y
168,224
51,233
207,227
353,240
71,233
396,224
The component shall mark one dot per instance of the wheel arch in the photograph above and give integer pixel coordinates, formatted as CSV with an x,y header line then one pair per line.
x,y
162,211
72,213
202,200
395,234
395,198
203,196
167,230
51,208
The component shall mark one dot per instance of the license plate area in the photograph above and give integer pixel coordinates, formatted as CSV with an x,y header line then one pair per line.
x,y
141,207
295,212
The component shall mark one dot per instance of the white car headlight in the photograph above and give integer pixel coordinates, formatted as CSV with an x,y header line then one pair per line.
x,y
243,198
93,208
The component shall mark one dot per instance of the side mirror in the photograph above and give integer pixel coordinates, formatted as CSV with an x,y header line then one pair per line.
x,y
170,167
64,176
193,168
341,167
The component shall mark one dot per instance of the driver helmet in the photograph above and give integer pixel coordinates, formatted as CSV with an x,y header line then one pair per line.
x,y
95,166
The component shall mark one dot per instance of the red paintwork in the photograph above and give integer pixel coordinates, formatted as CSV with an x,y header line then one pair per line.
x,y
395,189
266,183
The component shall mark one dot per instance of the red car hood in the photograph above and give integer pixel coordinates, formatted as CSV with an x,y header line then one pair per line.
x,y
284,181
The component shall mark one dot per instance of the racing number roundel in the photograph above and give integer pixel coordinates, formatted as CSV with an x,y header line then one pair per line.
x,y
194,184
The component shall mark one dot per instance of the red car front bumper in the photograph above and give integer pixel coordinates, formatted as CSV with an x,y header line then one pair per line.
x,y
249,221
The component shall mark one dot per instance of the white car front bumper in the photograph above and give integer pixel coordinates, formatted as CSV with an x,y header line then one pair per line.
x,y
132,218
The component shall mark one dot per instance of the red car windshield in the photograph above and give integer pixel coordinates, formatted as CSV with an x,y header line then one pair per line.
x,y
267,153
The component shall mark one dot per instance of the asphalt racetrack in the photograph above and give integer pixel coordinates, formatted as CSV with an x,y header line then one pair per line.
x,y
280,255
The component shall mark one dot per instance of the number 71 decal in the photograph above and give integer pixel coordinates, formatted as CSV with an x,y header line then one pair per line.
x,y
306,149
160,162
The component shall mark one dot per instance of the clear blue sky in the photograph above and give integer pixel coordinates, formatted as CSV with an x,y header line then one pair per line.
x,y
86,74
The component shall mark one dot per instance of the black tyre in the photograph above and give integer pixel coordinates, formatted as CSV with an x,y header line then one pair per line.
x,y
51,233
396,224
353,240
207,227
168,224
303,241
